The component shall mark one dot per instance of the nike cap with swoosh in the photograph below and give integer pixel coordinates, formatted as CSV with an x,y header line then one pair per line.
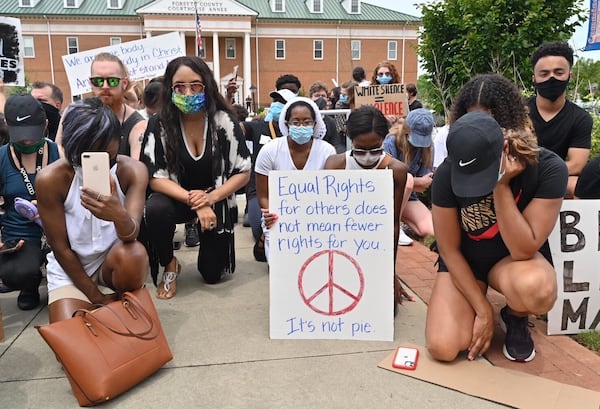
x,y
474,144
25,117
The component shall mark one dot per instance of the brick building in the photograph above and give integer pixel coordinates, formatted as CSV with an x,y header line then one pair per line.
x,y
313,39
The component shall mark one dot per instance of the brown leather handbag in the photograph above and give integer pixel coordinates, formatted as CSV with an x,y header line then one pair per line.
x,y
110,349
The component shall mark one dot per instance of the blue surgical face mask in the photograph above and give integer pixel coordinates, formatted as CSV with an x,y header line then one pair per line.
x,y
274,111
301,134
384,79
344,98
189,104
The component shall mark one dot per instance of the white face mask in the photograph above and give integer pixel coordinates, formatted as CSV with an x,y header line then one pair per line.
x,y
500,171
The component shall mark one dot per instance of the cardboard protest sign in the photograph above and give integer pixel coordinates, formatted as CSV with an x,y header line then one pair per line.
x,y
145,59
12,70
391,99
332,255
574,244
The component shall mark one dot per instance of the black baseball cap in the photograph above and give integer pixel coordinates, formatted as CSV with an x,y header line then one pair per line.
x,y
474,144
25,117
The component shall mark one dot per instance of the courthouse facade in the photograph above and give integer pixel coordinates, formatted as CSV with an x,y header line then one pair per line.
x,y
312,39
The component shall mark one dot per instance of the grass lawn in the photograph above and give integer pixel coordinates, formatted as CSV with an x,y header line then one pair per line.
x,y
590,340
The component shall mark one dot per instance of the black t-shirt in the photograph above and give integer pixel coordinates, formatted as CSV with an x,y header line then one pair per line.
x,y
479,231
570,128
588,183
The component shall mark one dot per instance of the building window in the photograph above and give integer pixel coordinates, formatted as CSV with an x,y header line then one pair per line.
x,y
355,6
355,49
25,3
230,48
278,6
28,48
72,45
115,4
392,50
115,40
318,49
70,4
317,6
280,49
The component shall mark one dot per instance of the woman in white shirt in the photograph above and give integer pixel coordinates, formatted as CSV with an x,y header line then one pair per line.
x,y
301,147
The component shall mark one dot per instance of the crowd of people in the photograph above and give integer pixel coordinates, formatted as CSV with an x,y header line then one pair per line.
x,y
179,151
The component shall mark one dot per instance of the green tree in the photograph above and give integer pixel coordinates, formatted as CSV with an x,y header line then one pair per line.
x,y
586,75
462,38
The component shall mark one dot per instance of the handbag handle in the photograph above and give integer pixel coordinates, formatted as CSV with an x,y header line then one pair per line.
x,y
128,300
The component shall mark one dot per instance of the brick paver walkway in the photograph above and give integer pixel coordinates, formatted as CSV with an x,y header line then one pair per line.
x,y
558,357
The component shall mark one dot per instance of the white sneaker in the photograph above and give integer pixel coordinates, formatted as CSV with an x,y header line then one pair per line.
x,y
404,240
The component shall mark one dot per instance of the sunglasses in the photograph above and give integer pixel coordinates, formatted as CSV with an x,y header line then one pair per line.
x,y
384,74
364,152
99,81
181,87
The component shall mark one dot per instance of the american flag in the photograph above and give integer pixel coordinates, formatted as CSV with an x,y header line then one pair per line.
x,y
198,33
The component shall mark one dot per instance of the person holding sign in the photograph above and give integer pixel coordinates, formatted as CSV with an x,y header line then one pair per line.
x,y
95,255
197,159
386,73
301,147
496,199
367,129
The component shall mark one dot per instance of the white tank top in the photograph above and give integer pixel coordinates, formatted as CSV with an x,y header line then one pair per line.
x,y
90,237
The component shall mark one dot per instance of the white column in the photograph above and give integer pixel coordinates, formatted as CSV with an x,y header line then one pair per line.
x,y
216,58
182,38
247,68
148,34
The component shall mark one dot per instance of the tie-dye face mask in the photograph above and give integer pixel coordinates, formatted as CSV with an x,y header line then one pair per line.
x,y
189,104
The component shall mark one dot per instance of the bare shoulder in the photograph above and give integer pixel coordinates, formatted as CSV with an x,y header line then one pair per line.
x,y
131,169
337,161
52,174
399,168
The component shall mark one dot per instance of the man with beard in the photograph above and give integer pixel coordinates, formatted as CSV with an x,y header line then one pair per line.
x,y
560,125
110,81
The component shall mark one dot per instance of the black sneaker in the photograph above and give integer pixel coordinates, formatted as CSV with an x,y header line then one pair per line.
x,y
518,345
192,238
28,299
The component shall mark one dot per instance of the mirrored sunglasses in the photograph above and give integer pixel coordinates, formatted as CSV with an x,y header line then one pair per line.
x,y
99,81
364,152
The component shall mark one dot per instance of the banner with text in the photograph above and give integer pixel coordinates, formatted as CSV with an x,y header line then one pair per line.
x,y
332,255
391,99
12,69
145,59
593,37
575,246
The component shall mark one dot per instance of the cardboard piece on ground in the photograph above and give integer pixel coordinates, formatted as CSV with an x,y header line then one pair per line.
x,y
492,383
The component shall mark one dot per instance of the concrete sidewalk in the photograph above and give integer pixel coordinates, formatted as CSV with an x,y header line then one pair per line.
x,y
223,357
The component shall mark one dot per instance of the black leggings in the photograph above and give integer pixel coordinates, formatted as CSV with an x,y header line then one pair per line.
x,y
21,270
162,214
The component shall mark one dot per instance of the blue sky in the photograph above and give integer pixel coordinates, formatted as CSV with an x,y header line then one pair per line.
x,y
577,41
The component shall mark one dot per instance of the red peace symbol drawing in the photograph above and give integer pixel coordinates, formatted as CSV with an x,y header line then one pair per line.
x,y
337,298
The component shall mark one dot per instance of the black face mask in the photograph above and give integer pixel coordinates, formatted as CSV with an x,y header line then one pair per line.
x,y
53,117
551,89
321,103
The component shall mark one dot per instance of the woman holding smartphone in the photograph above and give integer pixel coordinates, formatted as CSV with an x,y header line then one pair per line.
x,y
95,255
20,162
